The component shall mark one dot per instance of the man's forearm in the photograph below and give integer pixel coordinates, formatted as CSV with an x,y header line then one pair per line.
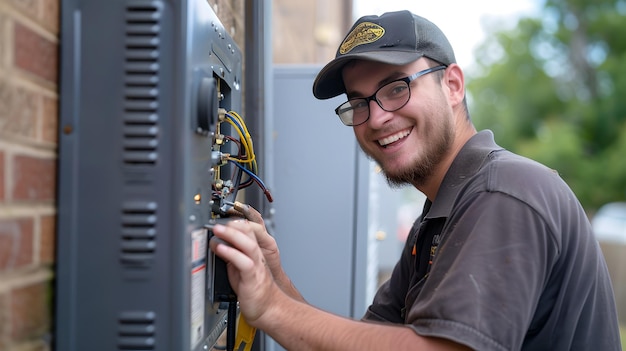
x,y
299,326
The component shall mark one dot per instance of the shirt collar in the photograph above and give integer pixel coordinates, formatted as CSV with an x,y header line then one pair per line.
x,y
469,160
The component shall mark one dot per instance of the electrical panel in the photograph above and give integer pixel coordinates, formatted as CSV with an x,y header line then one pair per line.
x,y
152,148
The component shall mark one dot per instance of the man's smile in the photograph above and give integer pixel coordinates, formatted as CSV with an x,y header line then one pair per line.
x,y
394,137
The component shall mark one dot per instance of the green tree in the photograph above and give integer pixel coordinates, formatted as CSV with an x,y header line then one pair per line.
x,y
553,88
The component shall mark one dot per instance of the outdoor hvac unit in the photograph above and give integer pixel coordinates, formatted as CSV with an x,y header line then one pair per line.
x,y
141,172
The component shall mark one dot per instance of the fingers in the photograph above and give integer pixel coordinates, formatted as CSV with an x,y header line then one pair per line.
x,y
265,240
246,211
236,245
253,241
249,212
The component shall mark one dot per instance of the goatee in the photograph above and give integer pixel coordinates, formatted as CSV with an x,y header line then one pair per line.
x,y
422,168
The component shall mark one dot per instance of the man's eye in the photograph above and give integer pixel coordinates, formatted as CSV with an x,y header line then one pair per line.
x,y
357,104
397,90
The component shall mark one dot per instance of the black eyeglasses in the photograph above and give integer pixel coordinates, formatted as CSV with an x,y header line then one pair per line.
x,y
390,97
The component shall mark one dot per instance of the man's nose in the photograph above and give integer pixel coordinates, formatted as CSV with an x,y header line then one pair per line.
x,y
378,116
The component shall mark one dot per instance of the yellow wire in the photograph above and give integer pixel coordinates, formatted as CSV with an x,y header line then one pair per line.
x,y
244,143
247,137
246,140
243,125
245,128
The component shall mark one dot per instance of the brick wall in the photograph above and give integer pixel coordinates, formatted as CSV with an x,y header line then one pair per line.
x,y
29,32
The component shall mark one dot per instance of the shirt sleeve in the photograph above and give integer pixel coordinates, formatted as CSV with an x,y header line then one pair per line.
x,y
487,275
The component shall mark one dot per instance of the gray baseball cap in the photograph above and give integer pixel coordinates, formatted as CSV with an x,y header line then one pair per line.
x,y
396,38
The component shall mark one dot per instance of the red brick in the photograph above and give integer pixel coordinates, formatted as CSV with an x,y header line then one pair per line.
x,y
18,110
50,15
30,312
50,120
5,324
48,234
33,178
27,7
2,170
16,243
35,54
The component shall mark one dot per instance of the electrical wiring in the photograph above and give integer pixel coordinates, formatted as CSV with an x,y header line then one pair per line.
x,y
257,180
246,140
244,159
249,181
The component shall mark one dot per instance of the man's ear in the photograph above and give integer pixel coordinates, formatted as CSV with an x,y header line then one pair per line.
x,y
455,81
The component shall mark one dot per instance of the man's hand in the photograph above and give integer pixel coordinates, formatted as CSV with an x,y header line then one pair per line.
x,y
248,272
268,246
267,243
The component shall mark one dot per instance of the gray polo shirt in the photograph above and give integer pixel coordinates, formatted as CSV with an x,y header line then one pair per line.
x,y
503,259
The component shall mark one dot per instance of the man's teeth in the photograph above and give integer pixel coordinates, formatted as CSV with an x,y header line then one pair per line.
x,y
390,139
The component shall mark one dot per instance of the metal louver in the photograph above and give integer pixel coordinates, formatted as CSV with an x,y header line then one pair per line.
x,y
141,86
136,331
139,220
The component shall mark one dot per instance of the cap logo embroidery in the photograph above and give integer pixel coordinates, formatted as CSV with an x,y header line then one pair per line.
x,y
364,33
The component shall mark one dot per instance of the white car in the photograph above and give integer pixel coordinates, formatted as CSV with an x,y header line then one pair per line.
x,y
609,223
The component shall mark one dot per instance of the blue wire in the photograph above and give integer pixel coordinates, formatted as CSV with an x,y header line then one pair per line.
x,y
249,172
232,118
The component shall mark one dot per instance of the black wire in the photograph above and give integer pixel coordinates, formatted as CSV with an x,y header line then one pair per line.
x,y
231,326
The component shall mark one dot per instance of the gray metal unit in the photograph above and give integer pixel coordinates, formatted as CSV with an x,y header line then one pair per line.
x,y
135,154
320,189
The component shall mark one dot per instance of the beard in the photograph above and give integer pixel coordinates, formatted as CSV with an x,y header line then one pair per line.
x,y
420,169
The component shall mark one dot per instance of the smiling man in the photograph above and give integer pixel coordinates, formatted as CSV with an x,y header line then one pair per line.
x,y
502,256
